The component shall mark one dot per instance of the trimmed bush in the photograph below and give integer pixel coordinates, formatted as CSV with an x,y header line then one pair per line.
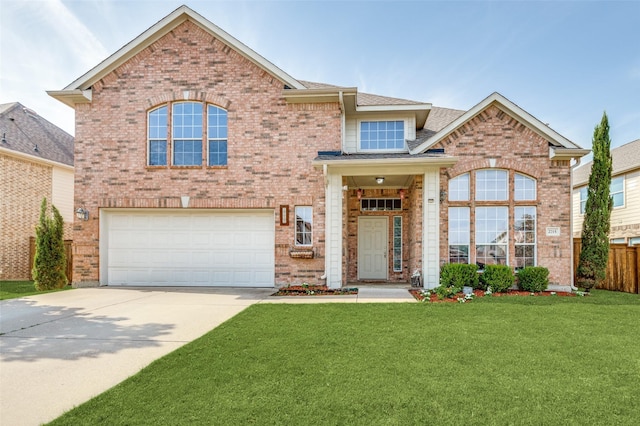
x,y
498,277
459,275
50,263
533,278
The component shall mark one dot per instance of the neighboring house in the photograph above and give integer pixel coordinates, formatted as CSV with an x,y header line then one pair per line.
x,y
202,163
36,162
624,190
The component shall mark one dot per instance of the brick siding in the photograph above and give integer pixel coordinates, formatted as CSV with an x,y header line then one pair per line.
x,y
494,134
270,145
23,185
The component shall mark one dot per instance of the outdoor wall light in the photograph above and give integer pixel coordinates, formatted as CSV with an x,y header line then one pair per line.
x,y
443,195
359,192
380,180
402,194
82,214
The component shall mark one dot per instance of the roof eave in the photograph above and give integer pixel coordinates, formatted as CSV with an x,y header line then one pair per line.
x,y
567,153
35,159
71,97
427,161
317,95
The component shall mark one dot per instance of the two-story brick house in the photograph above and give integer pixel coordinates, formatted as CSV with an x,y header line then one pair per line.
x,y
202,163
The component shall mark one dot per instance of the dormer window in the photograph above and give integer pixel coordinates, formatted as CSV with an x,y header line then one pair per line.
x,y
382,136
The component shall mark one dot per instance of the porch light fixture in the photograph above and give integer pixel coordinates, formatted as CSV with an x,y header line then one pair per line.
x,y
401,192
443,195
380,180
359,192
82,213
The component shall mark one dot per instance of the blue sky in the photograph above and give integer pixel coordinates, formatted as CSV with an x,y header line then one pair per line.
x,y
565,62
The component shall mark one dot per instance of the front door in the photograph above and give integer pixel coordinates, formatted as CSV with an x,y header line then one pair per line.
x,y
372,247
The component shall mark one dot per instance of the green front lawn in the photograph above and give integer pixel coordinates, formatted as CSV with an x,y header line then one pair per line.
x,y
508,360
15,289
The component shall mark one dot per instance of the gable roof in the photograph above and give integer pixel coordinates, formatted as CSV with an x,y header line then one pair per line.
x,y
79,90
624,159
24,132
561,146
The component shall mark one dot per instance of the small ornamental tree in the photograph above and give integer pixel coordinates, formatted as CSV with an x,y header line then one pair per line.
x,y
594,254
50,263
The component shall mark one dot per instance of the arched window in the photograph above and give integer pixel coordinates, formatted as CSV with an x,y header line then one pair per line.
x,y
459,188
524,188
187,135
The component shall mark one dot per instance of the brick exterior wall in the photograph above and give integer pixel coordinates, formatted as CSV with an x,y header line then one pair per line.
x,y
23,185
494,134
270,146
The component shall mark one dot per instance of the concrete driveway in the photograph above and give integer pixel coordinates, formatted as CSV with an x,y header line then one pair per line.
x,y
58,350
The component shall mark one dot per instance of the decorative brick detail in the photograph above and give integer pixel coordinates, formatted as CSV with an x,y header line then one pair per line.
x,y
494,134
270,146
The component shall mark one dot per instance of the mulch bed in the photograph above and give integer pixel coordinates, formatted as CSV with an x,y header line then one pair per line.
x,y
417,294
314,290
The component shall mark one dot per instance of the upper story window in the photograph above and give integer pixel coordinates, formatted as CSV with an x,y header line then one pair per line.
x,y
492,185
459,188
186,138
382,135
524,188
616,190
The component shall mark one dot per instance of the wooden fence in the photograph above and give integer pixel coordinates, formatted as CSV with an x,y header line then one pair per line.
x,y
67,250
623,269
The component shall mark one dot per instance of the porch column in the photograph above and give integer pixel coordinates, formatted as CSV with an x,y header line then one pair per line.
x,y
431,229
333,230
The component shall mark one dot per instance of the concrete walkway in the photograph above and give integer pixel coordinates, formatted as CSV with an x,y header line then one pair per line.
x,y
58,350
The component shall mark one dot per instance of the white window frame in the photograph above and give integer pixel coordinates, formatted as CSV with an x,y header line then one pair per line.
x,y
459,237
484,193
175,126
522,186
459,188
480,241
611,193
534,232
307,217
370,150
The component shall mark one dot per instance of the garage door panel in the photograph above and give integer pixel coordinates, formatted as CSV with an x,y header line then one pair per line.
x,y
203,248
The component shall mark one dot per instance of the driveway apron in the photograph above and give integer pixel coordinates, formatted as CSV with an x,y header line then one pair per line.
x,y
58,350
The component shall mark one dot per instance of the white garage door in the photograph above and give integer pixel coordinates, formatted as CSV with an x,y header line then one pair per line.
x,y
187,248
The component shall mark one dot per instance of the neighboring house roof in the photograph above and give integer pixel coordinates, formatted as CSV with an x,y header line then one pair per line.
x,y
560,147
623,158
24,131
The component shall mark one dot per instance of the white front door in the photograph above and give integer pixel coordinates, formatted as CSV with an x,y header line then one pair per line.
x,y
373,247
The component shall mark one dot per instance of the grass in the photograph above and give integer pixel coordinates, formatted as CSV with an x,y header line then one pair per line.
x,y
15,289
508,360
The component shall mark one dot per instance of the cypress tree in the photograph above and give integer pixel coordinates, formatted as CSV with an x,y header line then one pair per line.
x,y
49,266
594,254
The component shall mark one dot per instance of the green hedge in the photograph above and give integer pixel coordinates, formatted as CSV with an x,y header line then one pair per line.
x,y
499,277
459,275
533,278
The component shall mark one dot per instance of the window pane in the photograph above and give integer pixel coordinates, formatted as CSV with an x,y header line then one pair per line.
x,y
617,184
583,199
492,235
459,188
158,153
217,153
618,199
525,188
304,224
382,135
616,190
459,226
397,243
187,153
491,185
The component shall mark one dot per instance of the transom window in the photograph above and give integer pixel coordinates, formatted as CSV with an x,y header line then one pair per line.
x,y
382,135
524,188
304,225
459,188
187,133
380,204
492,185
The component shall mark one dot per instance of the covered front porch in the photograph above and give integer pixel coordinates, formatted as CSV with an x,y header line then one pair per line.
x,y
382,220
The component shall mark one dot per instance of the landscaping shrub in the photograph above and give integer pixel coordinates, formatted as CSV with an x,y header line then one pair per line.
x,y
533,278
498,277
459,275
50,263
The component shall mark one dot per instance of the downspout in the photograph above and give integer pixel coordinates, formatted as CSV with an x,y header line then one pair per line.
x,y
573,288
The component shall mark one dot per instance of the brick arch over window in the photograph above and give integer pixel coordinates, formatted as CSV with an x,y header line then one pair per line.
x,y
188,95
